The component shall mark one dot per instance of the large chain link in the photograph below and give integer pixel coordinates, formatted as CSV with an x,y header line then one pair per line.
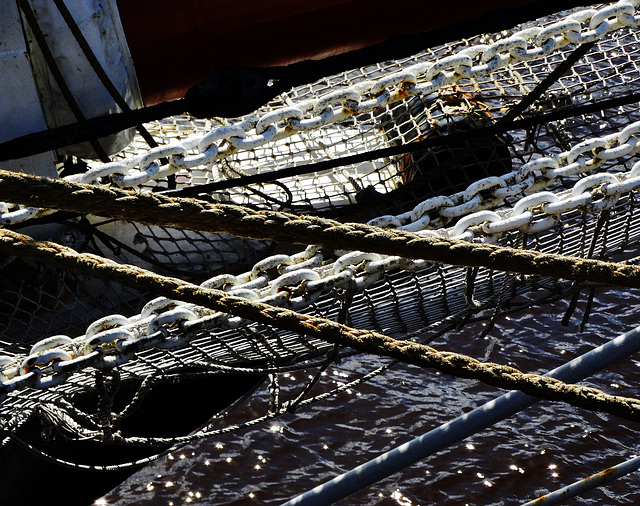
x,y
530,178
422,78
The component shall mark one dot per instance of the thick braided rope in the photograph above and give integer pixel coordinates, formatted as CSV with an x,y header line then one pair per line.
x,y
366,341
288,228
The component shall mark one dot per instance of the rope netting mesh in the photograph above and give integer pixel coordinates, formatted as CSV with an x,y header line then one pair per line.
x,y
442,187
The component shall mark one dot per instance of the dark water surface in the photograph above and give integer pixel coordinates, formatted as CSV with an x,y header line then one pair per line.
x,y
544,447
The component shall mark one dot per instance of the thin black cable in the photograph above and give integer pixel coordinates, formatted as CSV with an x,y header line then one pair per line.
x,y
57,75
546,83
98,68
104,78
238,91
488,131
113,244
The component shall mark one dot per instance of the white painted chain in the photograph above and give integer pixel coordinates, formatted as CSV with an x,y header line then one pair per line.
x,y
423,78
304,276
530,178
297,281
541,211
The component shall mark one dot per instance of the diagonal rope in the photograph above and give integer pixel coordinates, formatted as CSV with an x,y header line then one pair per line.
x,y
366,341
288,228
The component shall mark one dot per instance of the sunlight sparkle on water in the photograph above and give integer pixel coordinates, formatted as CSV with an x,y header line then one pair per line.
x,y
101,502
469,446
401,499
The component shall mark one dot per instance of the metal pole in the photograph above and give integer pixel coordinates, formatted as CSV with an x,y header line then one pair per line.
x,y
464,426
593,481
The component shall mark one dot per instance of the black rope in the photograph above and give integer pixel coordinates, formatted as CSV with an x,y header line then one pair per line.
x,y
101,126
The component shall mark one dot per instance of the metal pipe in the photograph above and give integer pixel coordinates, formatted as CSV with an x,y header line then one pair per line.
x,y
593,481
464,426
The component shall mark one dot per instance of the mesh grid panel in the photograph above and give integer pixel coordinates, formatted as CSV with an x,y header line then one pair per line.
x,y
39,301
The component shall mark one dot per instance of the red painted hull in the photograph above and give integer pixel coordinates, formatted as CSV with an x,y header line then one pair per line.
x,y
175,47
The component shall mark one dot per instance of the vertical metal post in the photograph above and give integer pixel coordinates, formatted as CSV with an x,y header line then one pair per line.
x,y
464,426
